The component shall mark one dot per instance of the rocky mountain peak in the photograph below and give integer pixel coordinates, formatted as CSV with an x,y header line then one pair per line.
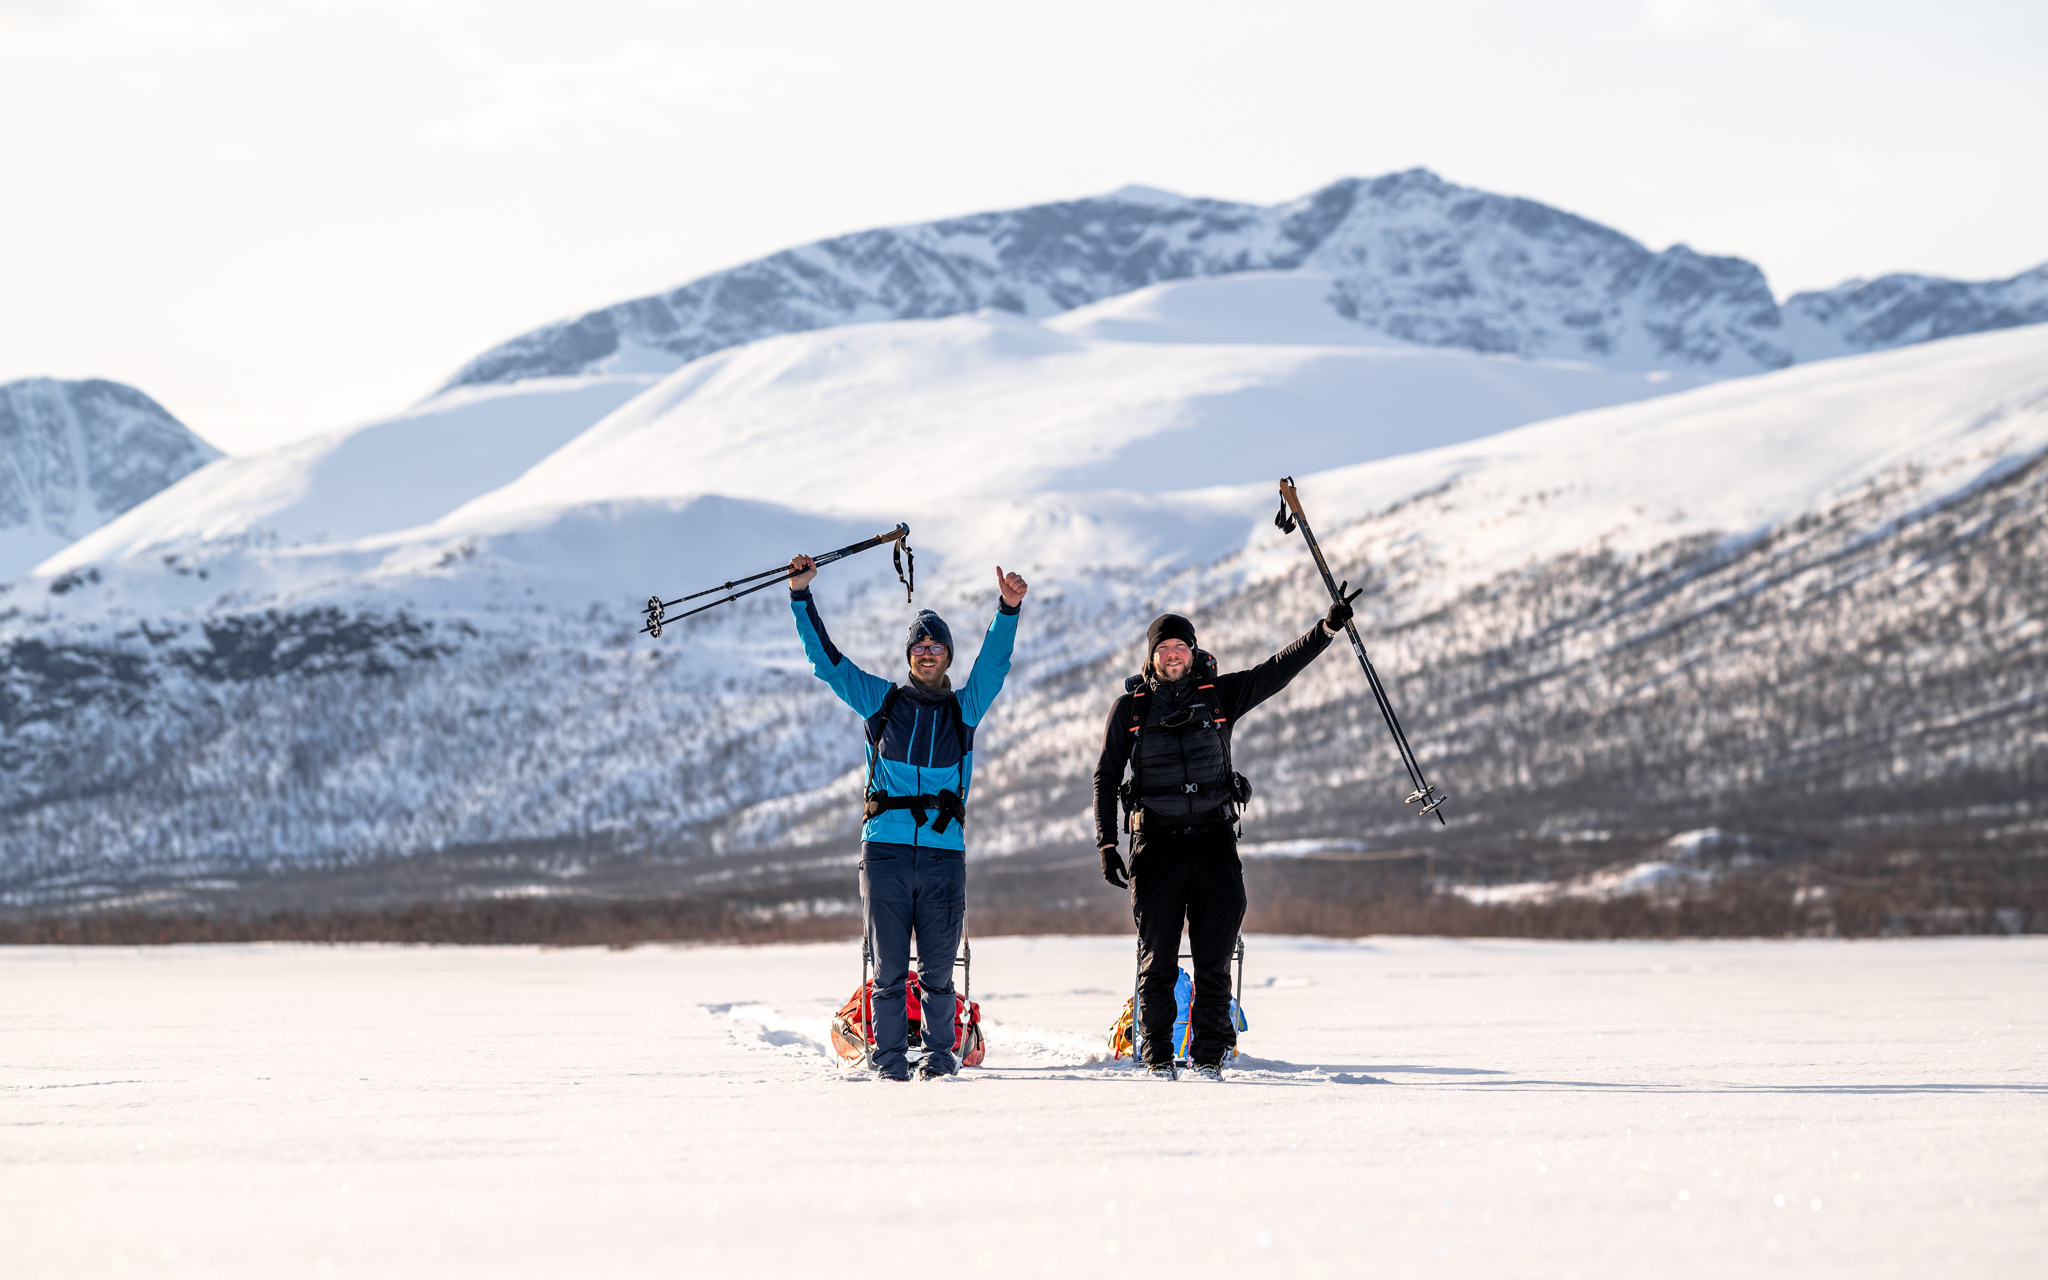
x,y
1900,309
1413,256
73,455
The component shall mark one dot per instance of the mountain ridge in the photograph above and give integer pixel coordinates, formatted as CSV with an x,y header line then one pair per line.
x,y
1411,256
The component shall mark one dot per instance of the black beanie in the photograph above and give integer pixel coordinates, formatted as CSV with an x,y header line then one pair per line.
x,y
929,626
1168,626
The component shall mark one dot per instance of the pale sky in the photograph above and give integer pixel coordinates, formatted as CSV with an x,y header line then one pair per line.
x,y
279,216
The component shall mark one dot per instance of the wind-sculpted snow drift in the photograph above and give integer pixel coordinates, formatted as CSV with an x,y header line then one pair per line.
x,y
1805,604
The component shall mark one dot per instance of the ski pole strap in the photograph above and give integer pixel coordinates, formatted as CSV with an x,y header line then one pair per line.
x,y
948,805
1290,502
901,551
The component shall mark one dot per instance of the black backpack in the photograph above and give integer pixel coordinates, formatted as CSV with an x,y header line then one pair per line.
x,y
1240,787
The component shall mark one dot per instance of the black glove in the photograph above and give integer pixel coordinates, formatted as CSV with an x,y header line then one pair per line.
x,y
1340,610
1113,868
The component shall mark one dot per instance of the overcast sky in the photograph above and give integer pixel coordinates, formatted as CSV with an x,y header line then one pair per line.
x,y
278,216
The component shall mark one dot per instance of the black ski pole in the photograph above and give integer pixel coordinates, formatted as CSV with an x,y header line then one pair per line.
x,y
1289,516
657,608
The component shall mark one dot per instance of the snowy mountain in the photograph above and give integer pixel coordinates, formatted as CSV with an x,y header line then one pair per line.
x,y
1894,310
1805,606
74,455
820,420
1406,256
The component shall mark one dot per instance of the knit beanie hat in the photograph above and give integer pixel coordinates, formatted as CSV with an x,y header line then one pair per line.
x,y
929,626
1168,626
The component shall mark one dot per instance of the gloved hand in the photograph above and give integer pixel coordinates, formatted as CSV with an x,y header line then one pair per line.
x,y
1113,868
1340,610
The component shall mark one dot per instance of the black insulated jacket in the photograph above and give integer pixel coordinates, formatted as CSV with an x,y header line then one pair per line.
x,y
1201,752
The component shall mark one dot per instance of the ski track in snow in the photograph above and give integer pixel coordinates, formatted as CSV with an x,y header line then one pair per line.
x,y
757,1026
1626,1109
1013,1047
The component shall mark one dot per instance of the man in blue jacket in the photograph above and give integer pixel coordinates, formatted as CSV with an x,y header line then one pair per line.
x,y
919,762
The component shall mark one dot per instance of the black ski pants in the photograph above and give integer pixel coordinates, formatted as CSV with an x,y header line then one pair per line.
x,y
1191,875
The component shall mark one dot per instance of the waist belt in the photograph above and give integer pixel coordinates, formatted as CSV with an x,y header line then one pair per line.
x,y
948,804
1149,830
1180,789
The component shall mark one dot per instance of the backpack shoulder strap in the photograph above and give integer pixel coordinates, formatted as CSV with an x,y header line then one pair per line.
x,y
880,720
877,725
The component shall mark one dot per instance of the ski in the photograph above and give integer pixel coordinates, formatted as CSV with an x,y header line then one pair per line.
x,y
656,611
1290,516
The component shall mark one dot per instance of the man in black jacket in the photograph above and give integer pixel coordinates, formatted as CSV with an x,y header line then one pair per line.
x,y
1172,730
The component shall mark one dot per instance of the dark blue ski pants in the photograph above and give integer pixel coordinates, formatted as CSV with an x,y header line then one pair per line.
x,y
906,889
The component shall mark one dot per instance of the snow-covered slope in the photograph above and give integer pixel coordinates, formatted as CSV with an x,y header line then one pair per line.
x,y
74,455
995,405
1259,308
1405,255
828,421
1733,459
1010,419
1813,596
385,475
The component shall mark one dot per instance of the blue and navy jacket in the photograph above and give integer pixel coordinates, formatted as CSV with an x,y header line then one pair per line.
x,y
921,749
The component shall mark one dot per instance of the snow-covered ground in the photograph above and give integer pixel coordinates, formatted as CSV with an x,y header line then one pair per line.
x,y
1410,1107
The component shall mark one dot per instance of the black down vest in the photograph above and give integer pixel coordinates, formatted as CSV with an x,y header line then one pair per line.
x,y
1180,763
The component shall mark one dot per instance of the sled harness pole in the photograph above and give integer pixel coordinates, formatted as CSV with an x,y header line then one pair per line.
x,y
657,608
1291,515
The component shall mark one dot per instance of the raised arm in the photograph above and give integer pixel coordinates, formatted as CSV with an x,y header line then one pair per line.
x,y
1240,691
856,688
992,664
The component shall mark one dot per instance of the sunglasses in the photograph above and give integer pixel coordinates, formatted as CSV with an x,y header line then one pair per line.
x,y
919,650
